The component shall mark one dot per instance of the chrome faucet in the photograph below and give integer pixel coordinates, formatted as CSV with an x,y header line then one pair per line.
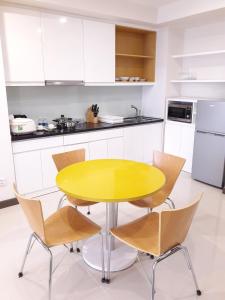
x,y
138,111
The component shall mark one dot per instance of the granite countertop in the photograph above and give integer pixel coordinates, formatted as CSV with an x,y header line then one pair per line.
x,y
82,128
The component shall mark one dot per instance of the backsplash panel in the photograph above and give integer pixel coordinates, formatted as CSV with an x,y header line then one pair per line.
x,y
72,101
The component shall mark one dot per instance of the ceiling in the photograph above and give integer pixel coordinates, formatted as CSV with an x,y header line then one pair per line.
x,y
153,3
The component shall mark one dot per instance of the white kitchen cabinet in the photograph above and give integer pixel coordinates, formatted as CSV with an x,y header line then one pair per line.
x,y
140,141
179,141
49,170
22,44
133,143
77,147
115,148
28,171
99,52
172,138
152,140
98,149
187,146
63,47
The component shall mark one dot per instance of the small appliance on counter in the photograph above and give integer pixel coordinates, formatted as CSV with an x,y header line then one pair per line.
x,y
20,124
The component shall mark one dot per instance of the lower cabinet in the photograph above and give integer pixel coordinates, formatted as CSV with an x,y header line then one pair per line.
x,y
116,148
98,149
49,170
140,141
179,141
36,171
28,171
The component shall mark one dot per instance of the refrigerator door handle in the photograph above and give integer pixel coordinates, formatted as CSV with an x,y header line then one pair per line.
x,y
219,134
216,134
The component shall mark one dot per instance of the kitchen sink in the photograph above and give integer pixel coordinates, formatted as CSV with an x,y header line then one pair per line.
x,y
139,119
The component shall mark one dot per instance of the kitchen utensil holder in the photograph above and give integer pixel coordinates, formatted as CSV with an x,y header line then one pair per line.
x,y
90,118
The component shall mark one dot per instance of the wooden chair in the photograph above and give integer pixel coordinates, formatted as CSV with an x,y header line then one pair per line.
x,y
64,226
159,234
63,160
171,166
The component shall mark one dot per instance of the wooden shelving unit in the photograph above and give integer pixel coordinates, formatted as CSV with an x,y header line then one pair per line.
x,y
135,53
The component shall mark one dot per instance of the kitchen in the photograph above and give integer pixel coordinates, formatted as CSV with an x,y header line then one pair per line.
x,y
147,82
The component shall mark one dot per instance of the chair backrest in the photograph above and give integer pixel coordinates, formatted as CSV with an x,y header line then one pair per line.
x,y
33,212
171,166
65,159
174,225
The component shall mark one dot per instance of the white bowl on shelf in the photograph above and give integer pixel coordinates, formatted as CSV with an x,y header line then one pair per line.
x,y
123,78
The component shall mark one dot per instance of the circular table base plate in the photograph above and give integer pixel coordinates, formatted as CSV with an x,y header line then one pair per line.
x,y
122,256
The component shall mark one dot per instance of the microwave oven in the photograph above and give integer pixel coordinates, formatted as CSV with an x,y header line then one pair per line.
x,y
180,111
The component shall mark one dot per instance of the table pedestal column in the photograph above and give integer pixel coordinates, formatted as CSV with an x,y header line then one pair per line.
x,y
122,256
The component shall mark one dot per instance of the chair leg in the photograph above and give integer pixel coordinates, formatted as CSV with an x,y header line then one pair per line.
x,y
102,257
188,260
153,279
89,211
71,248
62,199
172,203
109,257
50,275
25,256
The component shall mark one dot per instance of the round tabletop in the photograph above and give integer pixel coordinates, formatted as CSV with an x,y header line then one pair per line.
x,y
110,180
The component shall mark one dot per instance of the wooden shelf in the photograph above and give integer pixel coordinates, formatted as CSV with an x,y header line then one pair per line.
x,y
135,55
121,83
199,81
199,54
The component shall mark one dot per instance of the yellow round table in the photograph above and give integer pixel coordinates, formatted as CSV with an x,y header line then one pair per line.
x,y
110,181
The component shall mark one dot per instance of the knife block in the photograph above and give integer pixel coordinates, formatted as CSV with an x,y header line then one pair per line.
x,y
90,118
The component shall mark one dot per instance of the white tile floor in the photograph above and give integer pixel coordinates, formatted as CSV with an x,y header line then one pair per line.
x,y
75,280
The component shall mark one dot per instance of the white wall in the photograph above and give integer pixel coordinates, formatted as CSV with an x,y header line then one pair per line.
x,y
72,101
6,160
182,8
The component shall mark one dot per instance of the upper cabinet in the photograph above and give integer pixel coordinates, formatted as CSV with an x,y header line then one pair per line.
x,y
22,44
135,53
99,52
63,47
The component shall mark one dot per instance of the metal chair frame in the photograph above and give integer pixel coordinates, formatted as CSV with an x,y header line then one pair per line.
x,y
39,240
157,261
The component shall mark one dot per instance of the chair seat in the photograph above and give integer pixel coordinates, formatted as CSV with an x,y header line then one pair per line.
x,y
151,201
68,225
79,202
141,234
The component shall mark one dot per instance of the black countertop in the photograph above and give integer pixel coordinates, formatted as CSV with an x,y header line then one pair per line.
x,y
82,128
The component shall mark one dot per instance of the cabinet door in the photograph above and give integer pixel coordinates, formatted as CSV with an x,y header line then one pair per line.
x,y
133,143
115,148
77,147
98,149
49,170
187,146
99,52
22,46
63,47
152,138
172,139
28,171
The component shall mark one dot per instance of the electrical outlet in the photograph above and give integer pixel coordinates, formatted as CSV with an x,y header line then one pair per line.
x,y
2,181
